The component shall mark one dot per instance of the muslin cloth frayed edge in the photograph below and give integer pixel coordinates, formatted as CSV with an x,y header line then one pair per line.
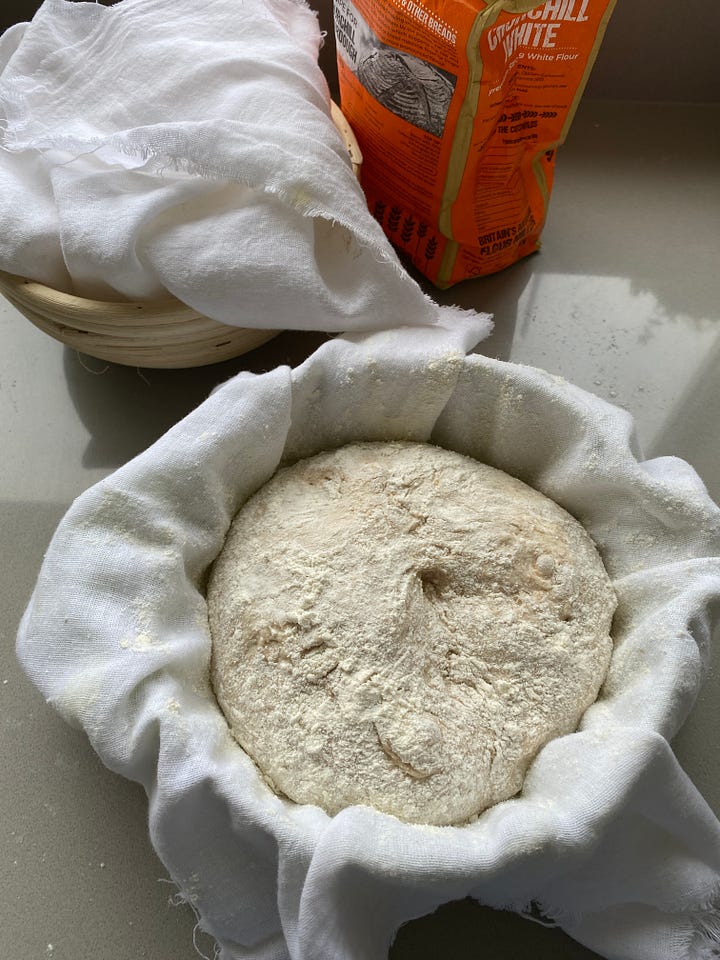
x,y
248,213
608,836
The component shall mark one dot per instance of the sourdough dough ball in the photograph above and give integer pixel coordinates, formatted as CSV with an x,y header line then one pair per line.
x,y
398,625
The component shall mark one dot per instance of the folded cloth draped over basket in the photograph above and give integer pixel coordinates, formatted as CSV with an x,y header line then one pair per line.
x,y
608,836
170,147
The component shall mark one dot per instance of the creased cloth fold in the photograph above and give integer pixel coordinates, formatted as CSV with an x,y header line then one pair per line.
x,y
165,147
608,836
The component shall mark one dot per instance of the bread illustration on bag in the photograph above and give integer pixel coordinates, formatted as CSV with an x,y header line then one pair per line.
x,y
409,87
459,107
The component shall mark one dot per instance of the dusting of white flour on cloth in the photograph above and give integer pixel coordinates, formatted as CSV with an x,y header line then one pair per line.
x,y
398,625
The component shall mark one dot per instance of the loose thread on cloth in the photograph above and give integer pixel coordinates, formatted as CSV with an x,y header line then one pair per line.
x,y
95,373
180,899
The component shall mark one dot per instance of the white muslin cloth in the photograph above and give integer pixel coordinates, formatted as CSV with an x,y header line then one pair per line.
x,y
171,147
608,836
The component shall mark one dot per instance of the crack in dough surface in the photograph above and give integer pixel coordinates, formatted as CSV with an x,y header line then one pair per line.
x,y
398,625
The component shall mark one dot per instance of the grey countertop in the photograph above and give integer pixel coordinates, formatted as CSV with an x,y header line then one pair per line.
x,y
623,300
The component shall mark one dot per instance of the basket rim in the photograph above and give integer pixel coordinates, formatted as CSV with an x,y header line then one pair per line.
x,y
43,295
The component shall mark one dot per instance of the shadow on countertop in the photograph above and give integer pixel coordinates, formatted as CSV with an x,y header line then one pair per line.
x,y
466,930
126,409
498,294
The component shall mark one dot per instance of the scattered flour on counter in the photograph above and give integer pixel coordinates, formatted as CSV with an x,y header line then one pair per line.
x,y
397,625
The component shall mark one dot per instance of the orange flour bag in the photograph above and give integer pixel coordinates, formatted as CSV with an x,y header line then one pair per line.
x,y
458,107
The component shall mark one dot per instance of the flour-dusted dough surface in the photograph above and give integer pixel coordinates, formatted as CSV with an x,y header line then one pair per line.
x,y
397,625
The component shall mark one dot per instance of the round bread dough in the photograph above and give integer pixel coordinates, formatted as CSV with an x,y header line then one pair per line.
x,y
398,625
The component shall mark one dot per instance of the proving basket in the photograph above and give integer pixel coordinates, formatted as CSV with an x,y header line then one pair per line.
x,y
608,838
164,333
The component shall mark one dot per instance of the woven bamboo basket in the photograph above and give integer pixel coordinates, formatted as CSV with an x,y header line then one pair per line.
x,y
162,334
